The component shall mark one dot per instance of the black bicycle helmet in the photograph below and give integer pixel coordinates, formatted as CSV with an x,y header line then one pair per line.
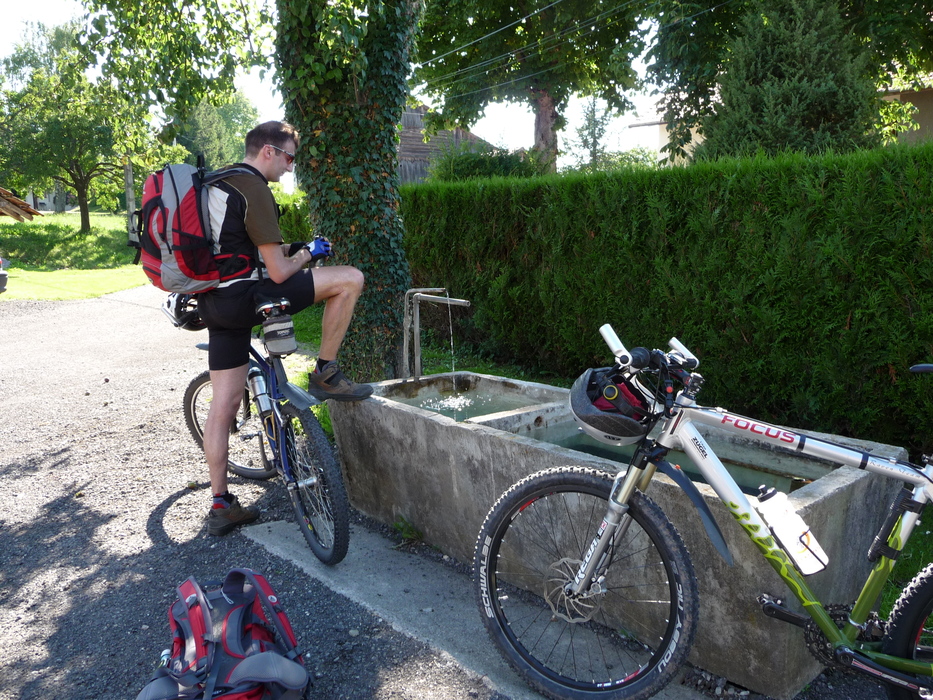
x,y
182,310
611,407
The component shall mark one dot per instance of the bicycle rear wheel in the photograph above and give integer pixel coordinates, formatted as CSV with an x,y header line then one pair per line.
x,y
317,492
249,449
626,637
909,632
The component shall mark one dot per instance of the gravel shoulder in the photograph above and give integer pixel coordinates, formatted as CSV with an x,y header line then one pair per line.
x,y
98,523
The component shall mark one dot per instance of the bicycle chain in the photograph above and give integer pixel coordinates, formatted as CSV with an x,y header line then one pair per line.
x,y
822,649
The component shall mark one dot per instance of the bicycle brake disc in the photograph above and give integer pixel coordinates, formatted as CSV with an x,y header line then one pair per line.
x,y
567,607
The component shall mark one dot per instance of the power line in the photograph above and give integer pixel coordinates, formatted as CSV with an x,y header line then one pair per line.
x,y
500,29
588,26
559,65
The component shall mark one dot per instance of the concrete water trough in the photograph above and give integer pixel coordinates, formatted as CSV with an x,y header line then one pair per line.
x,y
442,473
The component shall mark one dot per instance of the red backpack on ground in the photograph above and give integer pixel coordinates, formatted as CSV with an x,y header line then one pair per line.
x,y
173,235
233,641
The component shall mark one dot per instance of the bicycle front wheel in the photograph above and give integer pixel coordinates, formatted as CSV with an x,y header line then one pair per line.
x,y
317,492
628,634
248,448
909,633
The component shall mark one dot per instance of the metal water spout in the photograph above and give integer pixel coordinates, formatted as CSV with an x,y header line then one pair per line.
x,y
412,324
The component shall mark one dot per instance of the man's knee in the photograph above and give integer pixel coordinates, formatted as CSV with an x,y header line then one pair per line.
x,y
356,279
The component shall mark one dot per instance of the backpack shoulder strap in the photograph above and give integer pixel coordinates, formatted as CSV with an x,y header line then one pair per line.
x,y
236,584
193,663
218,175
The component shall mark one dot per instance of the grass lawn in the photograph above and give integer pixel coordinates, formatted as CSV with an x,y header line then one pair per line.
x,y
56,285
51,259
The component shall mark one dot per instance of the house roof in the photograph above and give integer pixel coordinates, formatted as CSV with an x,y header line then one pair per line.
x,y
11,205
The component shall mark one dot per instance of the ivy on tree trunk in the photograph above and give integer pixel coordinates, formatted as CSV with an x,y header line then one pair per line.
x,y
347,103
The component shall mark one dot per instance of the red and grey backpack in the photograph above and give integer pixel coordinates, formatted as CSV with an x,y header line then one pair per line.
x,y
233,641
173,234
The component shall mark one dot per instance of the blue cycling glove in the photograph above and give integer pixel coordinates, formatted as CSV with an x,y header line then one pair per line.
x,y
319,248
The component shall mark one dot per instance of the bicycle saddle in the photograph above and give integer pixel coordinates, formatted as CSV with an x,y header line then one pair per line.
x,y
265,304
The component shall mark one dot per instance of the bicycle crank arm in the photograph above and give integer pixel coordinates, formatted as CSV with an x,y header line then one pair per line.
x,y
861,663
775,608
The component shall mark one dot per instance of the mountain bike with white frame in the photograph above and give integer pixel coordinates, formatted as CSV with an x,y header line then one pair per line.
x,y
586,587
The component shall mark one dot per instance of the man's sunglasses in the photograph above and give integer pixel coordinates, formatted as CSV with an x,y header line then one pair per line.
x,y
289,157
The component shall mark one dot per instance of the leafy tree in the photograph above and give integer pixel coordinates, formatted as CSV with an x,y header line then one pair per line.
x,y
795,80
59,128
473,52
692,47
217,131
342,67
589,144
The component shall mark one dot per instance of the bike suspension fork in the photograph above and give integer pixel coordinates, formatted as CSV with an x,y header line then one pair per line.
x,y
614,525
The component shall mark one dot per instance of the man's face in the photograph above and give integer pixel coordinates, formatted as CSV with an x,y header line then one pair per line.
x,y
283,161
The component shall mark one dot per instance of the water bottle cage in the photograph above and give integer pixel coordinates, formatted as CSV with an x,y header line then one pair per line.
x,y
902,503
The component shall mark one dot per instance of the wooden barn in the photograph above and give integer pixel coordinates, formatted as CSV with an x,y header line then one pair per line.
x,y
414,155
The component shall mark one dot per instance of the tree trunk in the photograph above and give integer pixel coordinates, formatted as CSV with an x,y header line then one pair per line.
x,y
347,166
85,209
130,193
546,130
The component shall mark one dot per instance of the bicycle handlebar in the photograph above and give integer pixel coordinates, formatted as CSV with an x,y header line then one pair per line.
x,y
639,358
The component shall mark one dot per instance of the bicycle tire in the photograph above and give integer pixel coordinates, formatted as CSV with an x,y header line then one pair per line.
x,y
610,645
321,505
909,632
248,447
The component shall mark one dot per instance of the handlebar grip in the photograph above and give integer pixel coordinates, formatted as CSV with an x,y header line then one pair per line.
x,y
615,345
691,360
641,358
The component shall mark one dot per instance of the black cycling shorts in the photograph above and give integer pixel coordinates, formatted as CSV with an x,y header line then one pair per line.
x,y
230,314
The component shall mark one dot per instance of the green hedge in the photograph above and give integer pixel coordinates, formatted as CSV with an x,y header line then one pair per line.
x,y
803,284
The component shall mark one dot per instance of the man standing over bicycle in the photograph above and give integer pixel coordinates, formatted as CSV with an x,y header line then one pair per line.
x,y
244,212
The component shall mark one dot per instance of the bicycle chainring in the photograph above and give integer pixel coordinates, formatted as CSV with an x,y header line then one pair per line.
x,y
822,649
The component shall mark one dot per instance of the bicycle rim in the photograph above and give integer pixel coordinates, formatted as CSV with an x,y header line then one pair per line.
x,y
317,492
248,448
628,635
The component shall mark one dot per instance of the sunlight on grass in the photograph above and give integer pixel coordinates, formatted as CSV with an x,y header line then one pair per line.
x,y
60,285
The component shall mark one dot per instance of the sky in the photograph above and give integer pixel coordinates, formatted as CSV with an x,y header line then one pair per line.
x,y
508,126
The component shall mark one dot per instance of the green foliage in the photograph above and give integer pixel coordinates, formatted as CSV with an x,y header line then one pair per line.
x,y
217,132
692,45
173,55
295,220
804,285
345,92
589,142
611,161
56,242
537,53
468,161
59,128
795,81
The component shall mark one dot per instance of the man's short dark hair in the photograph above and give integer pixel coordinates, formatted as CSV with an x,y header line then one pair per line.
x,y
274,133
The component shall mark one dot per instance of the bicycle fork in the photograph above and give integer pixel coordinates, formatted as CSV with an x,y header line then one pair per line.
x,y
614,525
